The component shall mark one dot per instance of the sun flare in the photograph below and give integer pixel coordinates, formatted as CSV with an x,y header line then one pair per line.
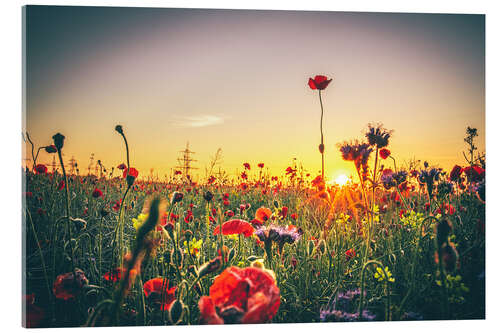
x,y
341,179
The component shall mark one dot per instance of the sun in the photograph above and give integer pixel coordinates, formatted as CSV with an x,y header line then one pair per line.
x,y
341,179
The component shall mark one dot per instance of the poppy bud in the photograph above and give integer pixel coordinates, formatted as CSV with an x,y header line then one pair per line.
x,y
176,312
188,234
51,149
208,196
276,204
176,197
119,129
321,148
58,140
210,267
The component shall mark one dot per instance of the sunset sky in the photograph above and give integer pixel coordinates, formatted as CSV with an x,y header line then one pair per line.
x,y
237,80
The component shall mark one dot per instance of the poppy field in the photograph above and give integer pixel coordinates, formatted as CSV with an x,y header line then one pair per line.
x,y
400,241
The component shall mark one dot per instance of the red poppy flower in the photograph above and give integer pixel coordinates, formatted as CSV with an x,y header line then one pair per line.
x,y
229,213
263,214
284,211
41,169
474,173
61,185
293,216
114,275
97,193
177,172
34,314
240,295
155,288
244,175
247,166
132,172
260,165
234,227
320,82
211,179
244,186
349,254
384,153
67,287
455,173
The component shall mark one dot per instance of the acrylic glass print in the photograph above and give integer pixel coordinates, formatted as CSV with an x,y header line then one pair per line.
x,y
198,166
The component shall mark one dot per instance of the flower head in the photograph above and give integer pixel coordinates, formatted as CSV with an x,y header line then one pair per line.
x,y
155,288
67,286
378,136
234,227
384,153
41,169
240,295
320,82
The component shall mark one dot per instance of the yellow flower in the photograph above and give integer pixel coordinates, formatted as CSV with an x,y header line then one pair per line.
x,y
380,276
194,246
139,220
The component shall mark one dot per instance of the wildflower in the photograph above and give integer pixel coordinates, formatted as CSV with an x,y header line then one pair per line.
x,y
247,166
320,82
349,254
211,179
61,185
240,295
384,153
474,173
208,196
121,166
378,136
177,172
229,213
359,153
283,212
66,286
176,197
342,308
244,175
380,276
387,180
428,177
157,288
97,193
260,165
455,173
235,226
194,246
262,215
114,275
41,169
293,216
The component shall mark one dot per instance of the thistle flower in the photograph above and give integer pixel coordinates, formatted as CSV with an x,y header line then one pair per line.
x,y
378,136
359,153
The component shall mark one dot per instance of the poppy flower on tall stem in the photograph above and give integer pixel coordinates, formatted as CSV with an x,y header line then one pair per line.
x,y
320,82
158,292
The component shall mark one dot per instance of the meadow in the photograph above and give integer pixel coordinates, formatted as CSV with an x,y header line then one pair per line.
x,y
400,242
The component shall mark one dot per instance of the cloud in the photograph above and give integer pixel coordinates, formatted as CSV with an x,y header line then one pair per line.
x,y
198,121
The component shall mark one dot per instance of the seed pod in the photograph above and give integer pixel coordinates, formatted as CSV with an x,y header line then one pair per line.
x,y
208,196
252,258
321,148
210,267
58,140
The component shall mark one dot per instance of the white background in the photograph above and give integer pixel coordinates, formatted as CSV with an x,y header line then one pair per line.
x,y
10,150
